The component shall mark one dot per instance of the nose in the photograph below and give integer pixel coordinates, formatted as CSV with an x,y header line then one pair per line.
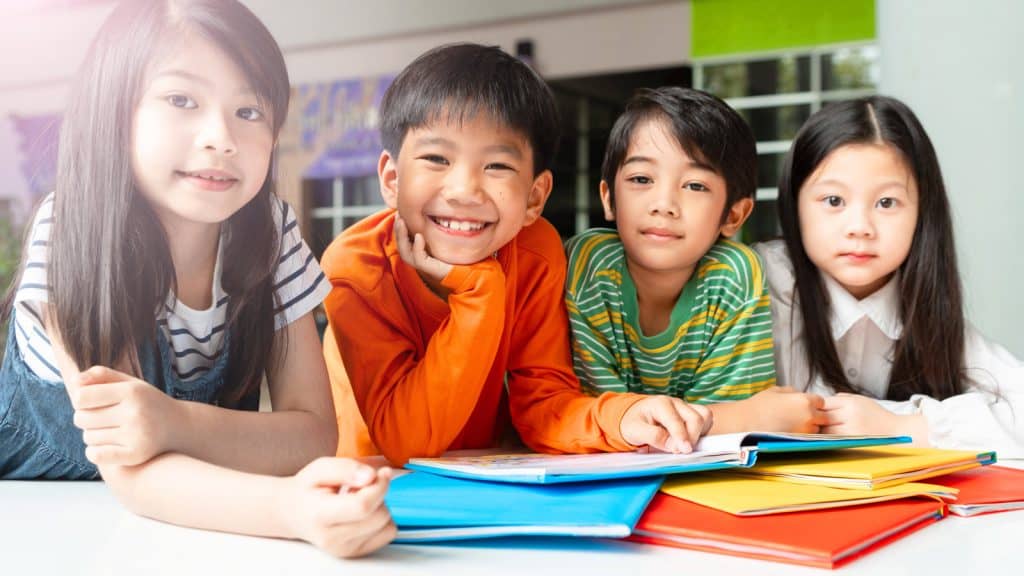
x,y
463,186
860,223
216,136
665,202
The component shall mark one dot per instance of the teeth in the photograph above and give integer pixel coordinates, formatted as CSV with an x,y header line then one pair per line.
x,y
461,225
214,178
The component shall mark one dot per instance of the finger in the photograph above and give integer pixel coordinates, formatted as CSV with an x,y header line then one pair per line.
x,y
822,418
109,454
348,507
99,375
351,540
419,250
101,436
402,239
832,403
100,395
337,472
707,415
97,418
381,538
693,420
667,414
815,401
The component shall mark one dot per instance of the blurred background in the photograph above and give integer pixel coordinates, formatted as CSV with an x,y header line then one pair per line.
x,y
775,61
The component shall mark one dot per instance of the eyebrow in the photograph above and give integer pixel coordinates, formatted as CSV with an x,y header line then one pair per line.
x,y
176,73
446,143
692,163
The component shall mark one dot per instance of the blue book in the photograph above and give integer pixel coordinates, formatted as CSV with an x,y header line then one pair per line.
x,y
429,508
714,452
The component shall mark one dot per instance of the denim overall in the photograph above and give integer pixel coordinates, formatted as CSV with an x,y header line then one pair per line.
x,y
38,438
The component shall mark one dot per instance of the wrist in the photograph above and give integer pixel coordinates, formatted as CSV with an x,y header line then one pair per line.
x,y
284,505
728,417
177,426
915,426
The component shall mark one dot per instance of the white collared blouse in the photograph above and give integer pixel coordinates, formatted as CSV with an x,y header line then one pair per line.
x,y
989,415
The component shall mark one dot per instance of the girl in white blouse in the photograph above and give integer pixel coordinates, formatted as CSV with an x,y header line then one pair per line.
x,y
867,304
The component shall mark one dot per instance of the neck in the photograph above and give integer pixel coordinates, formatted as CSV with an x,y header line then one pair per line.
x,y
193,249
657,292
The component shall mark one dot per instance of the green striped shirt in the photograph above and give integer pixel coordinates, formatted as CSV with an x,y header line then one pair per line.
x,y
717,347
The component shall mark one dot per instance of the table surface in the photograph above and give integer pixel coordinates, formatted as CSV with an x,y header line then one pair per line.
x,y
79,528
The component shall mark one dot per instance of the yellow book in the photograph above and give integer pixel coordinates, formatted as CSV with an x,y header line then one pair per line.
x,y
868,468
742,495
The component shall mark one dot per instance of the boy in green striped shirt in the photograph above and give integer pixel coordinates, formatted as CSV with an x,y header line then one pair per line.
x,y
666,303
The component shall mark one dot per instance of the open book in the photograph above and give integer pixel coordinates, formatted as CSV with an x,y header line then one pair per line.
x,y
713,452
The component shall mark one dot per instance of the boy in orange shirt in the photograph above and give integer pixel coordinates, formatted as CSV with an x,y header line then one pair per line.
x,y
447,307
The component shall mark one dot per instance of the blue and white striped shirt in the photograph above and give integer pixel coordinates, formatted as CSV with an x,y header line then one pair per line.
x,y
196,337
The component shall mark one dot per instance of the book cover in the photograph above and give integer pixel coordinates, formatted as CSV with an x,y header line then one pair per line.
x,y
985,490
869,468
744,495
822,538
427,507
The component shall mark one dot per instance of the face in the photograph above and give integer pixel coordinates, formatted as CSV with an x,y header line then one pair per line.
x,y
668,207
858,211
468,188
201,141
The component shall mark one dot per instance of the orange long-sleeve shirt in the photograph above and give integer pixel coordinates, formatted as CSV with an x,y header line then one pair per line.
x,y
429,376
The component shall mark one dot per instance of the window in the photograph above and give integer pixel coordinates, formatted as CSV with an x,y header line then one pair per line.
x,y
775,93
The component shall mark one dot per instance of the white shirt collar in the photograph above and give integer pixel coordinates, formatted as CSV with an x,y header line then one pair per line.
x,y
882,308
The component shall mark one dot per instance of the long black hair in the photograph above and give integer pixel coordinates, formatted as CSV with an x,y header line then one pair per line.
x,y
110,267
928,357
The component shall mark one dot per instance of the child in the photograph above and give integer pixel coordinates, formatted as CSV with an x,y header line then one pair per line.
x,y
667,304
867,295
164,261
447,307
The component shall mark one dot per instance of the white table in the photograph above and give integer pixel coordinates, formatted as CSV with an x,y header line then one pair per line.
x,y
79,528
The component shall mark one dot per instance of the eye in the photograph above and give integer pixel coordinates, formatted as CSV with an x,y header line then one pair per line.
x,y
887,203
250,114
640,180
434,159
696,187
833,201
498,166
181,101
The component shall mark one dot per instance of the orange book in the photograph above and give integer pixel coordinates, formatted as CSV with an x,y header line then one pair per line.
x,y
985,490
822,538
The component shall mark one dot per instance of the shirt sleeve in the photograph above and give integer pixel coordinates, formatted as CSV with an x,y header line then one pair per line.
x,y
548,408
593,351
737,362
988,415
409,402
298,281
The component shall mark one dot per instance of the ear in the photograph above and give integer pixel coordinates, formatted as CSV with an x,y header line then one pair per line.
x,y
387,174
606,201
737,215
539,192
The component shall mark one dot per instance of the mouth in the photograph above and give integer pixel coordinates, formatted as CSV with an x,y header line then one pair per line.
x,y
208,179
459,226
660,234
857,256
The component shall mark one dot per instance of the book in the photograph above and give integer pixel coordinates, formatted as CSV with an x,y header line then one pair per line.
x,y
985,490
870,468
430,508
712,453
822,538
743,495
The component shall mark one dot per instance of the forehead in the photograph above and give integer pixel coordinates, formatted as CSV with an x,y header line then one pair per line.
x,y
857,164
468,131
200,59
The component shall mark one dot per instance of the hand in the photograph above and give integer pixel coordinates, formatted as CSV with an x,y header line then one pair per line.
x,y
414,253
856,414
665,423
337,504
124,420
779,409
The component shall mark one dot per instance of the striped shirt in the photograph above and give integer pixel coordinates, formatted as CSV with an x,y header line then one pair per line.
x,y
718,344
196,337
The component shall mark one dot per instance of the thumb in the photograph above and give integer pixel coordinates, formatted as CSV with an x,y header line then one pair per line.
x,y
337,472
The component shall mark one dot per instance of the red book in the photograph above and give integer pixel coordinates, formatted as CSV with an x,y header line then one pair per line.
x,y
822,538
984,490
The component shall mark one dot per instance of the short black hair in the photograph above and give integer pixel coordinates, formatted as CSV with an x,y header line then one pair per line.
x,y
705,127
454,82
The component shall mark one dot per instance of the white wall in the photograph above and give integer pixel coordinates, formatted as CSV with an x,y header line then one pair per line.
x,y
958,65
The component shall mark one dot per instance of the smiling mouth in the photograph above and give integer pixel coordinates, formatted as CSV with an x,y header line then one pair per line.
x,y
459,226
211,176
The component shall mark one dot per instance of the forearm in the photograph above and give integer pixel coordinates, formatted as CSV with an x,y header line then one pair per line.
x,y
278,443
181,490
731,417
